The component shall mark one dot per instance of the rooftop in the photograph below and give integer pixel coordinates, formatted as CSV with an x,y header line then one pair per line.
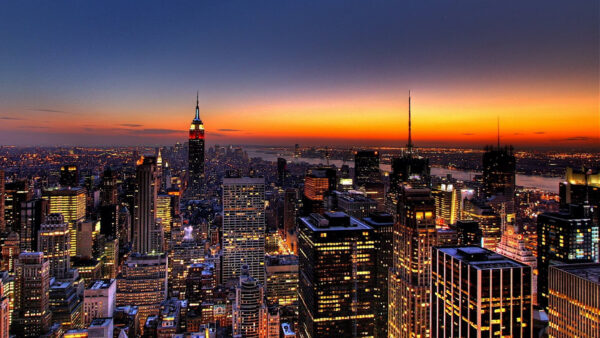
x,y
243,180
101,284
480,258
588,271
333,221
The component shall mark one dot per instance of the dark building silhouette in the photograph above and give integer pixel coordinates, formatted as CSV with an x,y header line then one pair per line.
x,y
69,175
282,172
366,167
499,172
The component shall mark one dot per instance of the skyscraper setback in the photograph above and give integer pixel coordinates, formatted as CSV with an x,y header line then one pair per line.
x,y
196,154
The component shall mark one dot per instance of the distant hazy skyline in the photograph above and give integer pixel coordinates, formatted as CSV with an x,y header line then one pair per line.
x,y
308,72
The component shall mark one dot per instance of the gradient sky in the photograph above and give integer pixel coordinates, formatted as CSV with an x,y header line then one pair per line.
x,y
308,72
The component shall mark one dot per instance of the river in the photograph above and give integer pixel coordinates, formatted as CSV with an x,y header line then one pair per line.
x,y
549,184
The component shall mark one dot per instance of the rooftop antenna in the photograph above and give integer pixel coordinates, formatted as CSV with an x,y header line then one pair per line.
x,y
409,146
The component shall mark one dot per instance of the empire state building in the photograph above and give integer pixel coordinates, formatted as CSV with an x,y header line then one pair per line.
x,y
196,154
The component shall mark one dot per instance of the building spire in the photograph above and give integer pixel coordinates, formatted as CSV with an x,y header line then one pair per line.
x,y
197,108
409,146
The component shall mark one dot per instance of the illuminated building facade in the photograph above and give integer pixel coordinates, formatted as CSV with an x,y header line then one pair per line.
x,y
243,227
32,213
10,252
514,246
447,204
478,293
147,233
182,255
54,242
409,279
366,167
354,204
573,300
564,237
196,154
282,280
32,316
337,276
143,283
71,203
69,175
383,230
15,193
99,299
318,183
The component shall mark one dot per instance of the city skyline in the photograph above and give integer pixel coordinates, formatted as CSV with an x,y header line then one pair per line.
x,y
95,75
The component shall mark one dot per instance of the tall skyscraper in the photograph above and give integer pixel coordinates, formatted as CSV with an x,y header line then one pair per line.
x,y
147,234
33,213
409,169
69,175
108,188
4,313
196,154
366,167
337,276
282,172
32,316
563,238
383,230
573,304
478,293
409,279
499,172
54,242
282,280
447,204
243,227
318,183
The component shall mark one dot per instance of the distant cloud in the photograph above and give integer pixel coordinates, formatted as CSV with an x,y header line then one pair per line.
x,y
539,132
225,129
132,125
155,131
88,129
11,118
578,138
517,134
46,110
217,134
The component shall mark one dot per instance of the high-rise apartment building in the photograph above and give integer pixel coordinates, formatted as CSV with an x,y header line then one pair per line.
x,y
54,242
32,316
337,276
243,227
478,293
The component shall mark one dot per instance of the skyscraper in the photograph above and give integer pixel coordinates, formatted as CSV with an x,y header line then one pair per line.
x,y
366,167
147,234
248,306
243,227
32,316
71,203
478,293
414,236
499,172
564,237
54,242
196,154
4,313
282,172
573,304
33,213
337,276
